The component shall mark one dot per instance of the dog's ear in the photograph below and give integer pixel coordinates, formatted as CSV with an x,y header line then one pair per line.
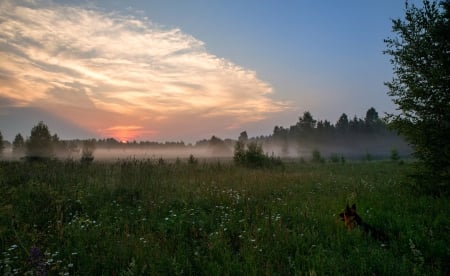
x,y
342,216
354,206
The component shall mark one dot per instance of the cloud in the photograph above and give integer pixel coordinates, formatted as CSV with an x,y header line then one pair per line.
x,y
76,58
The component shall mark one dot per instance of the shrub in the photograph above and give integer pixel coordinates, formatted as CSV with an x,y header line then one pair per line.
x,y
394,155
334,158
87,155
253,156
192,160
317,157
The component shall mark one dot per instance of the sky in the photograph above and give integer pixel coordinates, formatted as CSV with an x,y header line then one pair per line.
x,y
166,70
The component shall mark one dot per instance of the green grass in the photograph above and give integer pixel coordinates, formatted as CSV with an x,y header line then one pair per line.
x,y
140,217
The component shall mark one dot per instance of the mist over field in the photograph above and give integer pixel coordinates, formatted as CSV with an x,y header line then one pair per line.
x,y
351,150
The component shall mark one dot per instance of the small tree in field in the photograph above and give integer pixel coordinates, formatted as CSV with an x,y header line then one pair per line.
x,y
420,54
39,145
394,155
18,145
87,153
240,148
317,157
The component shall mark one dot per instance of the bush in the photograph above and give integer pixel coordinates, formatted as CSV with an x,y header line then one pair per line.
x,y
192,160
87,154
394,155
317,157
368,157
253,156
334,158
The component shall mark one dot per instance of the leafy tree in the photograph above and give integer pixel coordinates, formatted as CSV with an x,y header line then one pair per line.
x,y
18,145
39,145
243,137
239,148
420,55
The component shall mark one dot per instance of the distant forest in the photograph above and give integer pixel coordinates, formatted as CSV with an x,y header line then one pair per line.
x,y
350,138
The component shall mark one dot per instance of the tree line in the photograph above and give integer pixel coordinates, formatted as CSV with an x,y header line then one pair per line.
x,y
353,136
300,139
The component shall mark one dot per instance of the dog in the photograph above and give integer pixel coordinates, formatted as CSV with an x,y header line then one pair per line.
x,y
351,220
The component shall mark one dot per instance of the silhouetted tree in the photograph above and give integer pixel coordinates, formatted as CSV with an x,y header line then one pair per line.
x,y
18,145
372,121
371,116
39,145
342,124
218,147
306,122
243,137
420,55
239,148
356,125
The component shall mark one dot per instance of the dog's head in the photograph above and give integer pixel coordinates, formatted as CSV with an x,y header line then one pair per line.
x,y
349,216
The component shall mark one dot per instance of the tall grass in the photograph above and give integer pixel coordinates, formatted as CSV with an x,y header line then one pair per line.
x,y
136,217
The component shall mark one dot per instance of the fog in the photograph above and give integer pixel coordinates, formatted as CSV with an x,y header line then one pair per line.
x,y
169,154
350,150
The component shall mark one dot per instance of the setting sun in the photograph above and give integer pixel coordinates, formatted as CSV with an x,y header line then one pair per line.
x,y
123,133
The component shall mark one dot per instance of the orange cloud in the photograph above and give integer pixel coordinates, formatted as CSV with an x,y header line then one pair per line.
x,y
57,56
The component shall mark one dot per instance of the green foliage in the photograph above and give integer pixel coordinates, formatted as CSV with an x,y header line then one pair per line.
x,y
317,157
394,155
336,158
140,217
368,157
252,155
39,145
420,54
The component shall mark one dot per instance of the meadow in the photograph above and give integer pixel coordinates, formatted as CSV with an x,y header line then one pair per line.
x,y
147,217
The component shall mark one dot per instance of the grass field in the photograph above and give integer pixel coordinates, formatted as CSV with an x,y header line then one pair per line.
x,y
140,217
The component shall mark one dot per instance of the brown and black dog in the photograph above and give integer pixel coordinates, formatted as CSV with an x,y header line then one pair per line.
x,y
351,220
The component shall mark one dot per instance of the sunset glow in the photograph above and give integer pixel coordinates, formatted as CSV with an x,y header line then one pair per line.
x,y
127,133
58,57
166,70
